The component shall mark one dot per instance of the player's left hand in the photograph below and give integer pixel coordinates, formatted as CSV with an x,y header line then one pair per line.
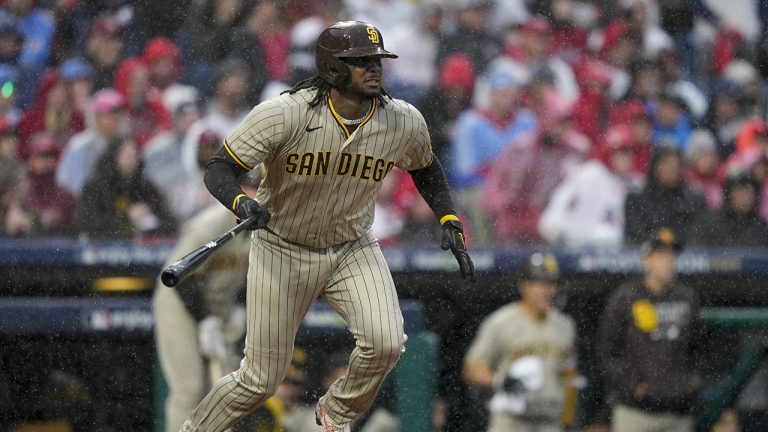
x,y
453,239
247,207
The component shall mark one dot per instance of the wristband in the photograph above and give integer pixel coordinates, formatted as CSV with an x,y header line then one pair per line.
x,y
237,198
448,217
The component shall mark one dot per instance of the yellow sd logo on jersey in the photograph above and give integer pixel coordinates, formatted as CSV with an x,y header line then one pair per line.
x,y
644,314
373,35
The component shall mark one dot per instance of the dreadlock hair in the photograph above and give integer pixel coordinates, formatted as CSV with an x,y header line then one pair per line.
x,y
323,88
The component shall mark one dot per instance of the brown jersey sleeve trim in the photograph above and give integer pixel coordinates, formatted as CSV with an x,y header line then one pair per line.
x,y
235,158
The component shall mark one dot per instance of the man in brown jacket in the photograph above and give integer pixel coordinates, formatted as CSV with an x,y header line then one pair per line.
x,y
648,340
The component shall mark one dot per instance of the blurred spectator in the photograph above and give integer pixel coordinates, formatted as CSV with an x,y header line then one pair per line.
x,y
105,50
591,111
671,124
746,76
619,50
447,100
9,141
269,30
251,42
649,342
384,14
634,114
164,17
569,39
576,216
665,201
737,223
642,20
529,49
703,171
162,162
207,38
726,116
729,43
479,136
78,75
753,157
53,113
16,219
301,59
11,42
128,13
524,175
671,76
118,201
415,42
645,82
528,370
146,114
471,36
36,27
163,61
54,206
677,19
9,112
79,156
541,82
67,33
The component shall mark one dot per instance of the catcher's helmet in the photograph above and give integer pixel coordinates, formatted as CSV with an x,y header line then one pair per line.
x,y
346,39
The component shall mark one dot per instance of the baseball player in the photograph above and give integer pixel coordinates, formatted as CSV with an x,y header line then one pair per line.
x,y
525,354
326,145
192,344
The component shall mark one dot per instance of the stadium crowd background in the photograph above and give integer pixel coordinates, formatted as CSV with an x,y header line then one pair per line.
x,y
547,114
561,122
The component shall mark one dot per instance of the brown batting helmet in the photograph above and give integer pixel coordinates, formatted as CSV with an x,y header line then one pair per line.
x,y
343,40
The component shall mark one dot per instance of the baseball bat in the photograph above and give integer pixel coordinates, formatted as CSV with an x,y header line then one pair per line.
x,y
178,271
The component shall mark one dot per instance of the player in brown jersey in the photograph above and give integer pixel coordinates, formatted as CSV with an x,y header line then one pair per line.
x,y
325,145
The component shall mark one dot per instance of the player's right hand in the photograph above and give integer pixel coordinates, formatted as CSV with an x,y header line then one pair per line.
x,y
453,239
247,207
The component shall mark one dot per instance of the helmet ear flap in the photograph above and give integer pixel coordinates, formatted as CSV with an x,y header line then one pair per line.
x,y
334,71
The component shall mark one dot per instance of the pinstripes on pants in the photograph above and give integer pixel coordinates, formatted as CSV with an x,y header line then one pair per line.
x,y
283,281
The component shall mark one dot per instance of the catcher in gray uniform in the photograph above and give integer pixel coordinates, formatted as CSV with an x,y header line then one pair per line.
x,y
326,145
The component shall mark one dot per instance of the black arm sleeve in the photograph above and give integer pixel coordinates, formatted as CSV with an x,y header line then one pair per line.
x,y
221,175
191,292
433,187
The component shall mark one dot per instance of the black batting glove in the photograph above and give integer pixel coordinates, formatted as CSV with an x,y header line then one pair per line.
x,y
453,239
247,207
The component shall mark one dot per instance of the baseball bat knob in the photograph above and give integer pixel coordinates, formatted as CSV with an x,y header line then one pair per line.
x,y
169,277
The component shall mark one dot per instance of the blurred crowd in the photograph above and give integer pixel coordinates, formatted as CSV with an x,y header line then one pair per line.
x,y
565,122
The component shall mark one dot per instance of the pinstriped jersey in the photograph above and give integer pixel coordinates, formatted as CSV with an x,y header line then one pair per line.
x,y
321,181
